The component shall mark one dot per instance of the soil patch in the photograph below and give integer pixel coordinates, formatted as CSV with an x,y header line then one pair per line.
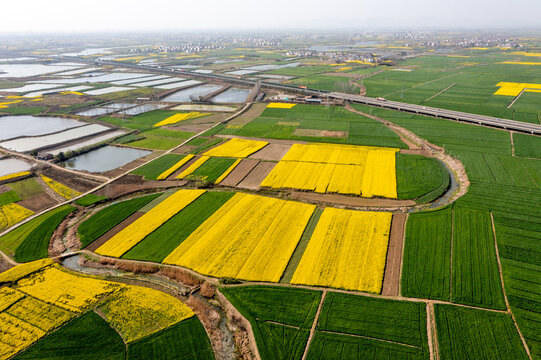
x,y
256,176
240,172
253,112
38,202
271,152
353,201
72,180
391,278
107,236
116,190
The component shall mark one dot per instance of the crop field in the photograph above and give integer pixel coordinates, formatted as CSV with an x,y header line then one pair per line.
x,y
475,274
137,231
26,188
402,323
60,189
166,173
42,297
107,218
173,119
527,146
195,343
10,214
161,242
452,136
105,342
340,169
421,178
9,197
212,169
245,231
237,148
347,250
154,169
465,333
89,200
518,245
426,271
30,241
313,123
281,317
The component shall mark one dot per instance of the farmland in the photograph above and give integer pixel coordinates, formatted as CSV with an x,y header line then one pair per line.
x,y
335,256
34,312
231,213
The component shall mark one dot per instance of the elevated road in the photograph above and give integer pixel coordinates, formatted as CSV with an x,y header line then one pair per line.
x,y
482,120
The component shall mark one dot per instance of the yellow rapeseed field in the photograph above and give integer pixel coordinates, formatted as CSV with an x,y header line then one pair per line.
x,y
520,63
228,171
11,214
175,167
38,313
14,175
343,169
193,167
275,105
20,271
514,89
16,334
180,117
58,287
44,299
347,250
8,297
237,148
60,189
137,312
250,237
137,231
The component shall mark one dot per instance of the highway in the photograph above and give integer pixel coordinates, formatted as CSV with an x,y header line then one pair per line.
x,y
482,120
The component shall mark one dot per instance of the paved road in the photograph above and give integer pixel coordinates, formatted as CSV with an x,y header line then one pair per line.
x,y
388,104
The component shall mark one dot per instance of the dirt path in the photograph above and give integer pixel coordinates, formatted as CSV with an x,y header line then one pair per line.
x,y
513,145
425,83
431,331
391,277
314,325
503,288
440,92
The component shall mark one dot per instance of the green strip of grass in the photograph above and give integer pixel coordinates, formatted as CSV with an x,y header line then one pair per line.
x,y
153,169
211,169
156,246
105,219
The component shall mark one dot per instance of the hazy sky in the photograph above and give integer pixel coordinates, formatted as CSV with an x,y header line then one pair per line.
x,y
157,15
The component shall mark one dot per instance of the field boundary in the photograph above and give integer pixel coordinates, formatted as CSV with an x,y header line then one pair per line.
x,y
509,311
439,93
314,325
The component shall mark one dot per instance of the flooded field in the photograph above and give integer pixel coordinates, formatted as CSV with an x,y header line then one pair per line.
x,y
192,93
180,84
24,70
232,96
156,82
33,87
26,125
107,90
10,166
141,109
140,79
24,144
82,144
104,159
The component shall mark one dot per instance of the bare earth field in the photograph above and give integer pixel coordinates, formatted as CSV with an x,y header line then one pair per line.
x,y
271,152
240,172
391,278
256,176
